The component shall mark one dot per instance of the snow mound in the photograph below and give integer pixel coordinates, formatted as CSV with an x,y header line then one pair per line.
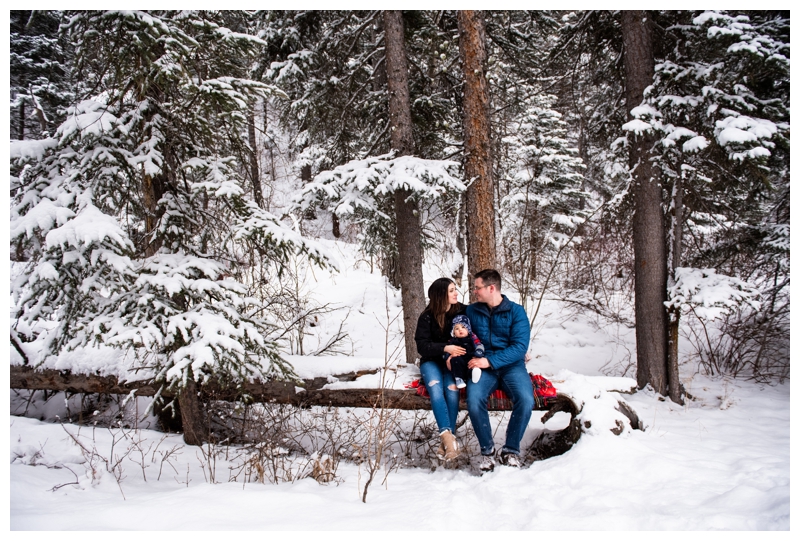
x,y
599,400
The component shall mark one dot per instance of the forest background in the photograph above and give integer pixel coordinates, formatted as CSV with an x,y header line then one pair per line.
x,y
606,159
569,135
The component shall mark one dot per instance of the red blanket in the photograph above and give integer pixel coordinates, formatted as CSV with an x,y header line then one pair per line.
x,y
543,393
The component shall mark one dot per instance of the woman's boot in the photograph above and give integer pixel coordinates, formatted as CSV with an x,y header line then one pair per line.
x,y
451,450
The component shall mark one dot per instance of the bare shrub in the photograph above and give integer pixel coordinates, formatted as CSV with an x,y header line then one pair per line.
x,y
381,423
744,344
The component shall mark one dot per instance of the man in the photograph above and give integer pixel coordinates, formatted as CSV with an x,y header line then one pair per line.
x,y
503,328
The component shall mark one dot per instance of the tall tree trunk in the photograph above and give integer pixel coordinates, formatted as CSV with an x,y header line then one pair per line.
x,y
21,120
152,191
195,431
477,143
311,211
650,280
409,232
461,242
255,177
154,186
673,381
378,63
389,263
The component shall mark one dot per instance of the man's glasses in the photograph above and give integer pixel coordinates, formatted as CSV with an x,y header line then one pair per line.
x,y
481,287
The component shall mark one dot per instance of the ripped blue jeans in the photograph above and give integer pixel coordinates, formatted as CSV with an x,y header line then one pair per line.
x,y
444,396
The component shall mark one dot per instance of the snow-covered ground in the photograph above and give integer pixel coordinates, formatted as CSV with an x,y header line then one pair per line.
x,y
721,462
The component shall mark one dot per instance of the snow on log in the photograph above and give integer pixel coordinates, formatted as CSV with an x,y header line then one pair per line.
x,y
592,403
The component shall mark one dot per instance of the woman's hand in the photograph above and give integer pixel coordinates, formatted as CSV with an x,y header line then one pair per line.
x,y
454,350
447,362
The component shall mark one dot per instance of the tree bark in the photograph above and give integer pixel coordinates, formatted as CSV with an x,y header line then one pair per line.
x,y
255,177
311,211
154,186
409,232
195,429
152,191
650,280
461,243
21,119
674,314
477,143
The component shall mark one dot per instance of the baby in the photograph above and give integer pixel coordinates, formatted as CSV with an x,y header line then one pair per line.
x,y
463,336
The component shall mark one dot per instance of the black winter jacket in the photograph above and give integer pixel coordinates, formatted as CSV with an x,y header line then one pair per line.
x,y
430,339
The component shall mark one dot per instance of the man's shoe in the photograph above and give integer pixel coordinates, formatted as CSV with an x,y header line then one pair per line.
x,y
487,463
509,459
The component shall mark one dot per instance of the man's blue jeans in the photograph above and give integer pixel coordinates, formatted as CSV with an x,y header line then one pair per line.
x,y
516,382
444,396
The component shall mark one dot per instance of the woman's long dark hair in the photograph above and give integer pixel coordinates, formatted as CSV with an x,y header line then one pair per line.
x,y
438,303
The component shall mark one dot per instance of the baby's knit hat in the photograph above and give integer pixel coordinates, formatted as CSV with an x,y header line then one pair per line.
x,y
462,320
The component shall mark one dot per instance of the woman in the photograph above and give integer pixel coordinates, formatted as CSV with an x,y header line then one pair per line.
x,y
433,332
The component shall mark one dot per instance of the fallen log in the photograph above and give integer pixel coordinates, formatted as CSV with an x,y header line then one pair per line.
x,y
277,392
25,377
551,443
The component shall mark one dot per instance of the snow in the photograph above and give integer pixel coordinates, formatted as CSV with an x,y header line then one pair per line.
x,y
695,144
41,216
645,111
32,149
720,462
353,185
90,226
88,118
637,126
710,294
744,129
570,222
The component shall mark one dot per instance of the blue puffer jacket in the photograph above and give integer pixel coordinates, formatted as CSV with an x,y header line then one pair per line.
x,y
505,331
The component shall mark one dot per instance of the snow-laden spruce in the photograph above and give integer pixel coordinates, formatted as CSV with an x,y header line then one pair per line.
x,y
709,294
352,188
706,98
718,110
39,73
133,216
358,190
540,208
544,191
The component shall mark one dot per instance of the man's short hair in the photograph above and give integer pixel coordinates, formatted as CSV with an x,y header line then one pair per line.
x,y
490,277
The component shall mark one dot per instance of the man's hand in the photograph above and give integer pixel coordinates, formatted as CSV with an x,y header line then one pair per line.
x,y
478,362
448,363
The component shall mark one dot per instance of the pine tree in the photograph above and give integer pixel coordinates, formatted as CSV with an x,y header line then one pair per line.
x,y
714,74
542,195
478,167
39,74
718,105
332,65
648,220
409,237
344,85
136,219
538,165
